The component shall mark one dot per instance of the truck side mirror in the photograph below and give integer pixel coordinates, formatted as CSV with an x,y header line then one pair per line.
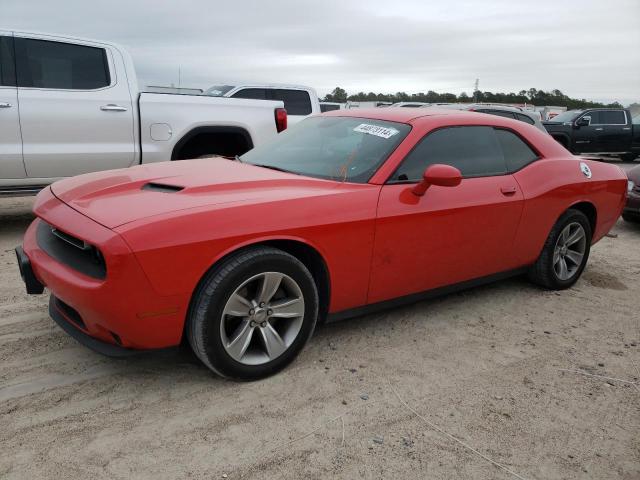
x,y
584,121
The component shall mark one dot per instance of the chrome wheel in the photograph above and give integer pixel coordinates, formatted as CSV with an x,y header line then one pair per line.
x,y
262,318
569,251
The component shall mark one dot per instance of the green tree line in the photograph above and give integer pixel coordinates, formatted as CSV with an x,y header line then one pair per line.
x,y
533,96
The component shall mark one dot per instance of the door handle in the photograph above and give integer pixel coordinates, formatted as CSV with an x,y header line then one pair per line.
x,y
111,107
510,190
626,128
5,105
599,129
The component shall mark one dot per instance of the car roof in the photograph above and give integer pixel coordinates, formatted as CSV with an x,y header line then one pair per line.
x,y
398,114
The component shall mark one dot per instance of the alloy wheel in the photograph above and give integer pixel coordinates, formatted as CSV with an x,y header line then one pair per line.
x,y
569,251
262,318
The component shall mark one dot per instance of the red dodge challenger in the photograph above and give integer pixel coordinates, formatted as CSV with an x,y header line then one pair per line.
x,y
345,213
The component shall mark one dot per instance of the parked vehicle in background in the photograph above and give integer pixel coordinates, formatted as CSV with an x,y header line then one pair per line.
x,y
548,112
374,104
70,106
410,104
374,208
598,131
330,106
631,212
299,101
516,113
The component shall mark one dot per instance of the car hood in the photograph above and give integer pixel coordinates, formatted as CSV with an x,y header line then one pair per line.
x,y
116,197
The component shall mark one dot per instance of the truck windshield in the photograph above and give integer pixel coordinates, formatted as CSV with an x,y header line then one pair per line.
x,y
568,116
218,90
337,148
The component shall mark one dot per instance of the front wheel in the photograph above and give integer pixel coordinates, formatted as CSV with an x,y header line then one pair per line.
x,y
253,313
565,252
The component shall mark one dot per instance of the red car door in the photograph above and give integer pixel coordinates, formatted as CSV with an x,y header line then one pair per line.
x,y
451,234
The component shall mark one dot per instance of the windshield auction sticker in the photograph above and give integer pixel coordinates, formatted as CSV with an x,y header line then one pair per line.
x,y
383,132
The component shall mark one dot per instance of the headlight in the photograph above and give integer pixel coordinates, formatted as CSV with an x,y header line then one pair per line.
x,y
630,185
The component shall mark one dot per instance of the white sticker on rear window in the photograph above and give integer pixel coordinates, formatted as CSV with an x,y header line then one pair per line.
x,y
378,131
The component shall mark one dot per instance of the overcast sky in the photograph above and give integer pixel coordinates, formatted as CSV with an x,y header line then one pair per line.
x,y
586,48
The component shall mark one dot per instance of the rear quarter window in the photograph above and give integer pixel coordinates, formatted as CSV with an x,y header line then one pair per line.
x,y
516,152
525,119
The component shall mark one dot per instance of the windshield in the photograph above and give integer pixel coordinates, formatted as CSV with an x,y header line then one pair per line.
x,y
218,90
336,148
568,116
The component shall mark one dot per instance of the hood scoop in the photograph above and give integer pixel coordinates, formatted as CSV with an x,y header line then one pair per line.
x,y
161,187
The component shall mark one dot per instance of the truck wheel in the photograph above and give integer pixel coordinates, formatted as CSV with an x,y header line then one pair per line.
x,y
565,253
253,313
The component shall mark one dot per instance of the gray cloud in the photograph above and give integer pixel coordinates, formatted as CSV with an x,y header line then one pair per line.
x,y
586,48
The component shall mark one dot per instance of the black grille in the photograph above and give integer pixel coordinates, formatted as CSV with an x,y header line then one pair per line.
x,y
70,313
71,251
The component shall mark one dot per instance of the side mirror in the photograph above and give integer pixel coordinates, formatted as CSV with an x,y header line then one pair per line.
x,y
584,121
440,175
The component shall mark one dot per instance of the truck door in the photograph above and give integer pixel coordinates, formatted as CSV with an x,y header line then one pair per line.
x,y
588,138
75,107
11,165
616,131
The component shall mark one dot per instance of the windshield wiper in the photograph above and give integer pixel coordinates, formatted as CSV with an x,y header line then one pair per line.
x,y
272,167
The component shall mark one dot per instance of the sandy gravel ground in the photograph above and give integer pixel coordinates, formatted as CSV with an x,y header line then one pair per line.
x,y
403,394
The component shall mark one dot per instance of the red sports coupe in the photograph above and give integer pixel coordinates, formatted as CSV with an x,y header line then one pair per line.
x,y
344,213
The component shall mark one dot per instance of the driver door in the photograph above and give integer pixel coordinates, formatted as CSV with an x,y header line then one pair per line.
x,y
451,234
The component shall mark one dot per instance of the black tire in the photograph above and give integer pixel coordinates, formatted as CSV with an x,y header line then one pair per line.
x,y
628,217
628,157
542,272
206,313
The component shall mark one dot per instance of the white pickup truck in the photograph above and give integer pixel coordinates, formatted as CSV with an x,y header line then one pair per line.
x,y
299,101
70,106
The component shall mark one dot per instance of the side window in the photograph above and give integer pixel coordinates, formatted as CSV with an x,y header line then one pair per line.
x,y
475,151
498,113
253,93
525,119
7,63
516,153
613,117
296,102
595,117
45,64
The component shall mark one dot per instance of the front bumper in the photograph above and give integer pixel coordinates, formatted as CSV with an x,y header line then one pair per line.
x,y
121,312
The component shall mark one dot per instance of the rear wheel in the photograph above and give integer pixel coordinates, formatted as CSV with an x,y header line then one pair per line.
x,y
565,253
253,313
628,217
